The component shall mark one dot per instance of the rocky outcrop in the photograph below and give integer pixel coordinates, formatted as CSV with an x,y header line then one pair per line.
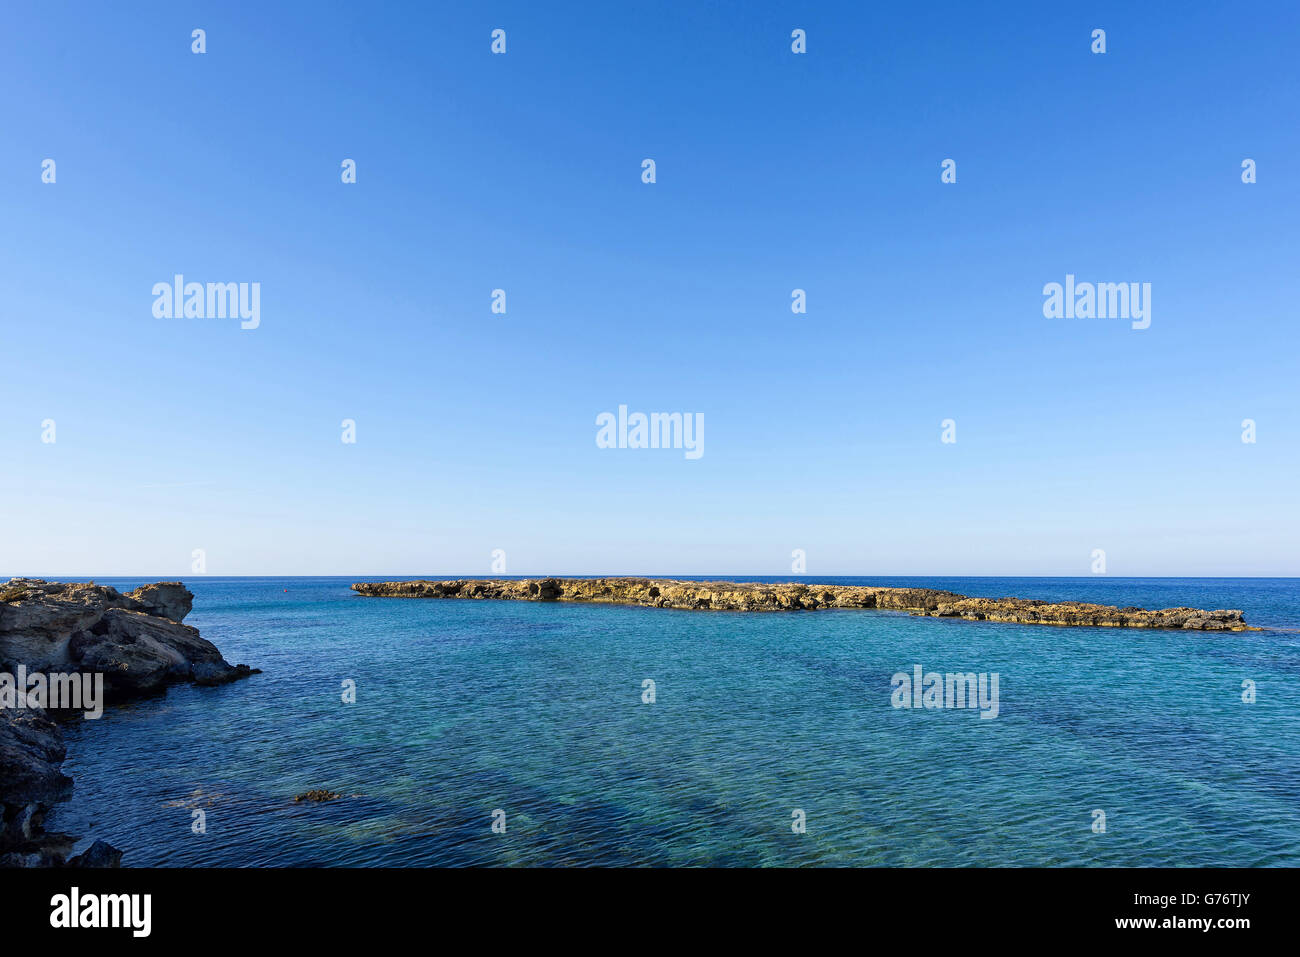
x,y
135,640
31,779
795,596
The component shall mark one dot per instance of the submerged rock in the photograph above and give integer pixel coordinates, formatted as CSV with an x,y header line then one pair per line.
x,y
796,596
317,795
99,854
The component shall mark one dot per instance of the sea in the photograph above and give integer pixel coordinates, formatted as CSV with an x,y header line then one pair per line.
x,y
470,733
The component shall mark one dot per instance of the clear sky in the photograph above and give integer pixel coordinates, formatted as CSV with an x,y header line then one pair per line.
x,y
523,171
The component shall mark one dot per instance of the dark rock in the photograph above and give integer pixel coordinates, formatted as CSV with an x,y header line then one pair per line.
x,y
99,854
318,795
31,751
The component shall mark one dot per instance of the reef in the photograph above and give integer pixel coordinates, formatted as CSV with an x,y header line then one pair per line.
x,y
796,596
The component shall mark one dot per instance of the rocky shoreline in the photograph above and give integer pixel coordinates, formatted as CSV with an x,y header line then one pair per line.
x,y
135,640
796,596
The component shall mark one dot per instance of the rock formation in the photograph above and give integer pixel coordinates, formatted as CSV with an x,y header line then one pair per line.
x,y
317,796
135,640
794,596
31,753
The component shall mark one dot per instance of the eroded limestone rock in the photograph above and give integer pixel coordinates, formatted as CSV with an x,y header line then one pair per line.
x,y
797,596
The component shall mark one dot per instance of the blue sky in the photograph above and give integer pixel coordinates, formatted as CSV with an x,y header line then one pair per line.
x,y
522,171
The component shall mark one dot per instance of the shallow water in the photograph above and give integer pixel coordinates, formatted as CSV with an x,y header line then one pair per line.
x,y
466,707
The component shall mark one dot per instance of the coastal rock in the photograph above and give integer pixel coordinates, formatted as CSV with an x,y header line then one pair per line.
x,y
796,596
170,600
31,752
31,755
99,854
136,640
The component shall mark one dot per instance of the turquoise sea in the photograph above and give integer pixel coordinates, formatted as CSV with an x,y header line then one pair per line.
x,y
464,708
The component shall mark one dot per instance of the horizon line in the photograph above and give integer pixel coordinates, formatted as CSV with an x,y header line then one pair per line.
x,y
688,575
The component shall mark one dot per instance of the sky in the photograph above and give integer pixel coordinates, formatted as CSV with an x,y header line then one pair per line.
x,y
476,431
